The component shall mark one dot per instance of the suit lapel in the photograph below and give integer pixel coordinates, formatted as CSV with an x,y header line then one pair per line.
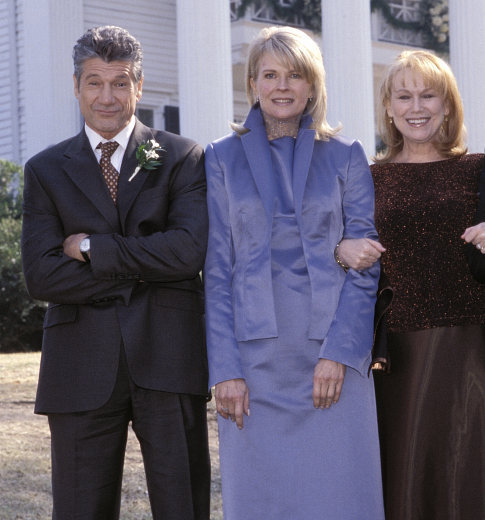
x,y
83,169
255,144
129,190
301,165
258,154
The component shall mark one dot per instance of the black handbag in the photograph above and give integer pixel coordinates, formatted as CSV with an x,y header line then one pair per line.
x,y
380,355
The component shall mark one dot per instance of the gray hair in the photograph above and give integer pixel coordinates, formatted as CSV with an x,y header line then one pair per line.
x,y
110,43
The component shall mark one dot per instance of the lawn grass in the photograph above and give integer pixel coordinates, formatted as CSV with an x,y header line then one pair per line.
x,y
25,488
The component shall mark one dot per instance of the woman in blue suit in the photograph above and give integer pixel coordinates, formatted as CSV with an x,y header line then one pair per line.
x,y
290,330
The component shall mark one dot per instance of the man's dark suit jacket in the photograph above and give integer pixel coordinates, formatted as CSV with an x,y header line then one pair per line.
x,y
142,288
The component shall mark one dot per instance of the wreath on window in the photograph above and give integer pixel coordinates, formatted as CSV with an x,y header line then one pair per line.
x,y
310,11
433,25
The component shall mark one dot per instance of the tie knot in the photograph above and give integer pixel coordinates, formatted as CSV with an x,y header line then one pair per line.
x,y
108,148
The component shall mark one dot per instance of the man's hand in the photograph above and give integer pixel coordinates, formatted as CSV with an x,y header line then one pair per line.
x,y
476,235
71,246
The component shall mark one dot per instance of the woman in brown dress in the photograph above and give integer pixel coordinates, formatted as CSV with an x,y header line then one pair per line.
x,y
431,406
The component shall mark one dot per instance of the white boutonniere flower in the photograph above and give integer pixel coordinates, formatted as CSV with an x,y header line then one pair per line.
x,y
147,155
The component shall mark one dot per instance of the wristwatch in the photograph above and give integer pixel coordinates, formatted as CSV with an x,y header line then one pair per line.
x,y
84,248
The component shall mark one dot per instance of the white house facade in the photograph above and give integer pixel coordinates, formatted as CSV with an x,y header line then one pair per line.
x,y
194,55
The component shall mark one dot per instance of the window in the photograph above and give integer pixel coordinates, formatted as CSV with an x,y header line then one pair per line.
x,y
172,121
145,115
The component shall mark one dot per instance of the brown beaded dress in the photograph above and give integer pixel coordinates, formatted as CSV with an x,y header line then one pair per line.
x,y
431,407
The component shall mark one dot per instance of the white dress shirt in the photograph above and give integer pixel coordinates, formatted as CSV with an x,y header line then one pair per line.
x,y
121,138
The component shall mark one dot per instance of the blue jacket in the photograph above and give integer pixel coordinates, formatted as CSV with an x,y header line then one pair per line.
x,y
334,198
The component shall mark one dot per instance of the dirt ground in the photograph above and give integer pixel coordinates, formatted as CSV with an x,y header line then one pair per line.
x,y
25,489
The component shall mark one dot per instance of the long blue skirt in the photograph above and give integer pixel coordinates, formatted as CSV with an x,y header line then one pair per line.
x,y
291,461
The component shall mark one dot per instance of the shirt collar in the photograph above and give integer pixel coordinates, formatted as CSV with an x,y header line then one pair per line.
x,y
121,138
255,118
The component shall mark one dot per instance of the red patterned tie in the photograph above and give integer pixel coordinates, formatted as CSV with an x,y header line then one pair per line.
x,y
109,171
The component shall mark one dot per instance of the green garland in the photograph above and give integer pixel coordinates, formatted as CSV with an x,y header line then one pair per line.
x,y
424,26
383,7
311,15
309,10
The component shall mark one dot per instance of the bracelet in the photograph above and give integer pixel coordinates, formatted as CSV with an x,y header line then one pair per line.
x,y
345,267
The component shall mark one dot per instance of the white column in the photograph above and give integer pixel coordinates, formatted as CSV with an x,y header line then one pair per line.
x,y
205,69
347,56
10,144
49,109
467,58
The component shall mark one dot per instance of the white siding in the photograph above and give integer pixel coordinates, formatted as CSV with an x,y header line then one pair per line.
x,y
153,23
21,81
9,120
48,110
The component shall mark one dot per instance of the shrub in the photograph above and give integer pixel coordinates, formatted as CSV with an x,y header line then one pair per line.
x,y
20,316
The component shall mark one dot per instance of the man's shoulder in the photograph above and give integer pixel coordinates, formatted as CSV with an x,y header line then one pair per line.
x,y
174,141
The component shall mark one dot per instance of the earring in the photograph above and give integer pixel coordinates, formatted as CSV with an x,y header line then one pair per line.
x,y
444,125
391,121
310,99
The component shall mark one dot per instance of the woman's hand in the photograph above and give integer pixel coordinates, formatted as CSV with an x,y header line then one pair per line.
x,y
359,253
476,236
328,379
232,400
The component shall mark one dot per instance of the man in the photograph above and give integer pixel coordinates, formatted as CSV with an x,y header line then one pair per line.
x,y
117,249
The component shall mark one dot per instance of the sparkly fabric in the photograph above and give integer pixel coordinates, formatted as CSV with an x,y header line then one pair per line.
x,y
110,173
421,212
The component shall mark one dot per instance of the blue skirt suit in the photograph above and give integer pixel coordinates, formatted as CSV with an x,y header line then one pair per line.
x,y
290,461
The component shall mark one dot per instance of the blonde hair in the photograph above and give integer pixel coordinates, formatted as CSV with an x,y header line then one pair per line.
x,y
298,51
436,74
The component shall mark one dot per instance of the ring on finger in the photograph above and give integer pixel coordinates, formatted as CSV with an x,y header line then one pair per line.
x,y
479,246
